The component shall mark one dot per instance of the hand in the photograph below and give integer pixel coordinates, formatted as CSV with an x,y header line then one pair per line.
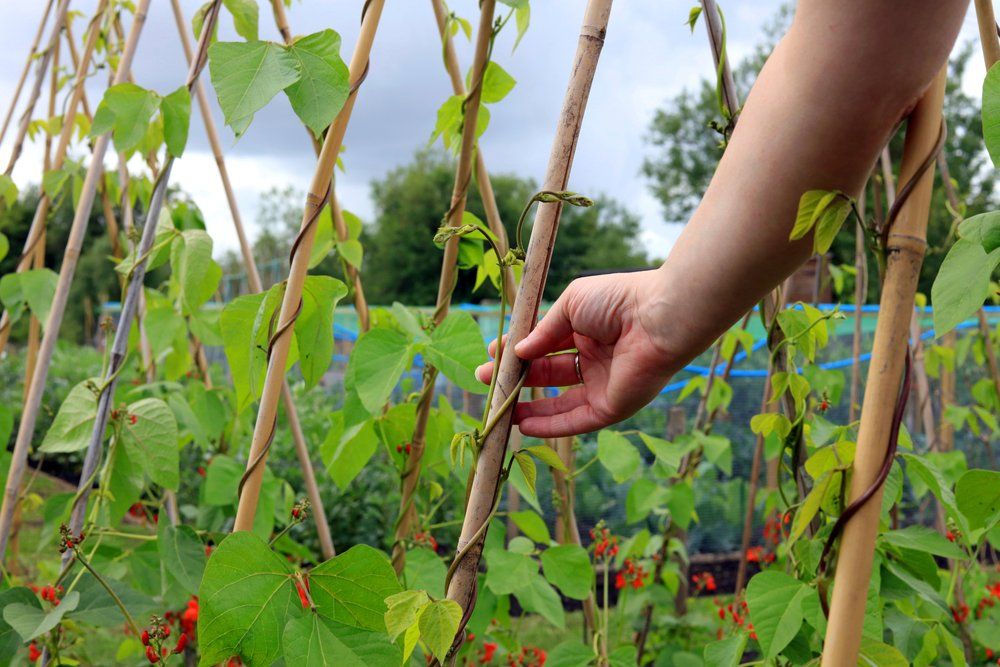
x,y
614,323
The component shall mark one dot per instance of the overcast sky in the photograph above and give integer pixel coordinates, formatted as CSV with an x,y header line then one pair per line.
x,y
649,56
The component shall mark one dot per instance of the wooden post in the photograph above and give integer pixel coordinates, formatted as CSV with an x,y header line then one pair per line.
x,y
449,268
32,53
906,244
74,244
315,199
486,483
42,210
860,294
253,279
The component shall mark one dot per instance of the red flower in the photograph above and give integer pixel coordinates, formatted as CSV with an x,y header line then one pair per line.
x,y
34,653
489,648
994,590
132,419
960,613
755,554
152,655
303,598
620,581
950,535
182,643
144,637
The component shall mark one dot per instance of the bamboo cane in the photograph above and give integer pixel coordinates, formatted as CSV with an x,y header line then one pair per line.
x,y
318,190
44,203
351,272
449,268
256,286
130,304
74,244
36,90
32,52
987,22
486,193
905,249
38,255
486,482
918,367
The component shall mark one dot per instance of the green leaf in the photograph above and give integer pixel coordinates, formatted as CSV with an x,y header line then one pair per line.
x,y
346,453
4,243
983,229
822,210
438,625
127,110
537,595
680,502
152,440
425,571
570,654
191,261
30,621
245,17
402,611
977,496
246,75
874,653
811,506
72,427
320,93
182,555
497,83
962,283
643,497
314,641
457,349
352,587
528,469
618,455
314,328
8,191
991,113
379,358
507,571
726,652
568,568
775,602
352,251
244,324
924,539
546,455
10,640
98,608
176,111
718,451
532,525
246,595
32,289
522,17
667,453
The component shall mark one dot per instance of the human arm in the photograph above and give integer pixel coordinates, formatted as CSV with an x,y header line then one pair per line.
x,y
823,106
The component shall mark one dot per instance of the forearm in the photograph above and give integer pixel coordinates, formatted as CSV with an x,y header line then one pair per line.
x,y
822,108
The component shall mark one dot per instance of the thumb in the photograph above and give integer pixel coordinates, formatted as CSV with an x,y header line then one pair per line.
x,y
555,331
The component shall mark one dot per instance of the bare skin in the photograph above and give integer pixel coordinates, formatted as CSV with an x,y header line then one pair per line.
x,y
825,103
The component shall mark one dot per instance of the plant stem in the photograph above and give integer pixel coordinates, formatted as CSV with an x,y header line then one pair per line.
x,y
114,596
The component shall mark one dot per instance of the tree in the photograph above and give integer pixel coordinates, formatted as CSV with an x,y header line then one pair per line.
x,y
402,264
687,151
